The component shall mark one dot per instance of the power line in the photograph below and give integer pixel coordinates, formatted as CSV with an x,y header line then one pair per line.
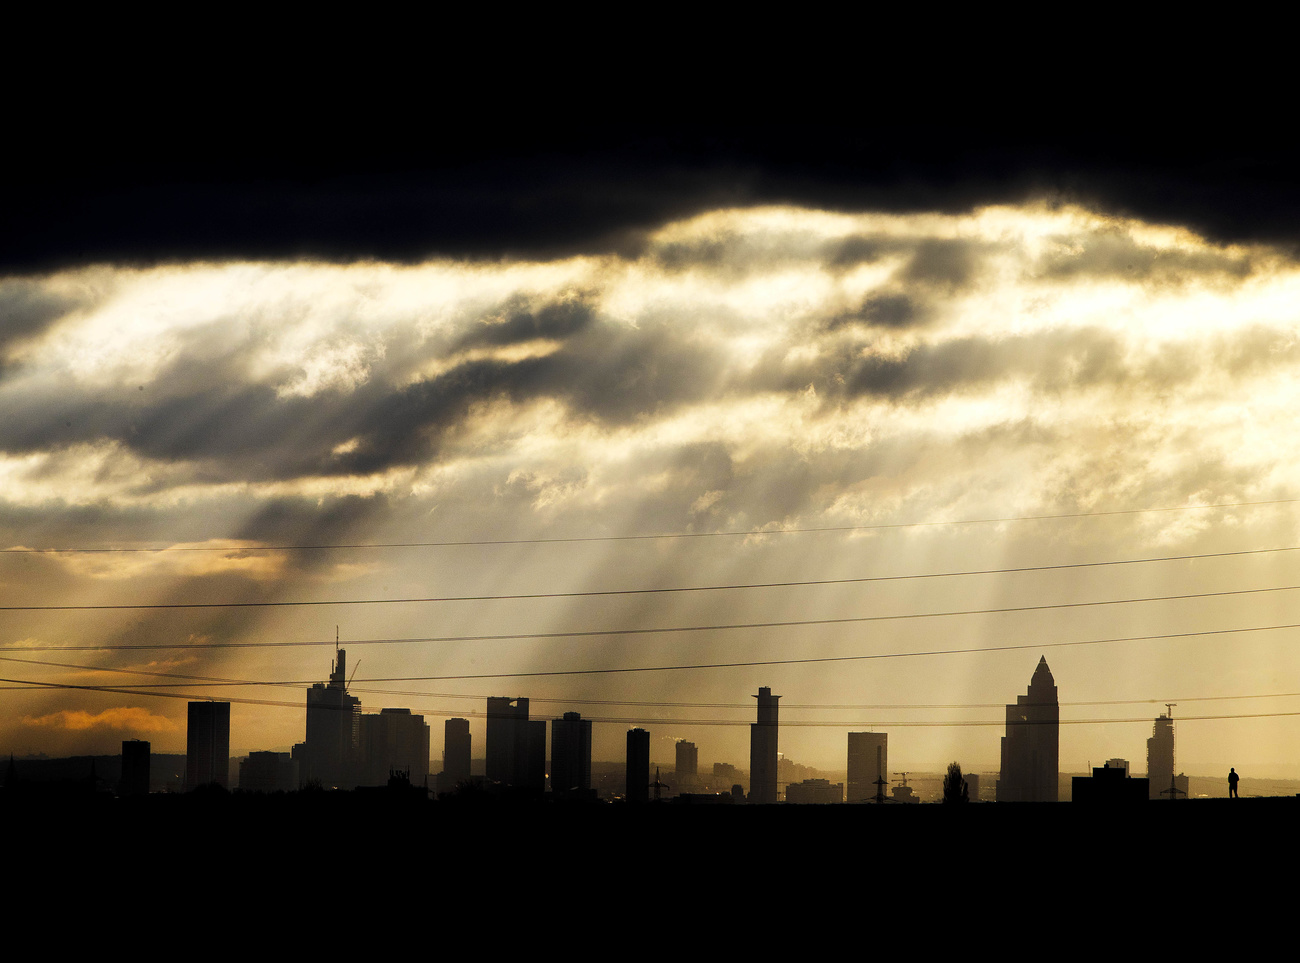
x,y
650,536
200,681
642,720
659,630
976,650
645,591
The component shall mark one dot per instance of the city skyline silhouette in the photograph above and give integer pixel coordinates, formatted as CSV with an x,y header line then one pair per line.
x,y
868,366
628,432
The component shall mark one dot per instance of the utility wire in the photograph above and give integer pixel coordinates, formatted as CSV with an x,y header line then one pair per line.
x,y
660,630
203,681
760,664
641,720
646,591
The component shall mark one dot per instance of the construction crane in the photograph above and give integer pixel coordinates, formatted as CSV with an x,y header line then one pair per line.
x,y
903,792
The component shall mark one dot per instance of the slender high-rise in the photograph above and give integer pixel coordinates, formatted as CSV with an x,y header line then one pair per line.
x,y
638,766
570,754
207,745
135,768
1160,758
762,749
688,760
455,753
1031,747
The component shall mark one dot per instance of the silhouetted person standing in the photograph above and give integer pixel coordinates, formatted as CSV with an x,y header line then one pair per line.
x,y
1232,784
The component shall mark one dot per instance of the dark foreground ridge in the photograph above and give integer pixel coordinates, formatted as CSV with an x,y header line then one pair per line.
x,y
519,828
512,868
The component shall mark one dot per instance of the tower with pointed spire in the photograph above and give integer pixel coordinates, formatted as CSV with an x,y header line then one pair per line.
x,y
1031,747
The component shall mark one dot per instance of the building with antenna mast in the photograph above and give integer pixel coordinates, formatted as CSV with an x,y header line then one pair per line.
x,y
1161,781
333,730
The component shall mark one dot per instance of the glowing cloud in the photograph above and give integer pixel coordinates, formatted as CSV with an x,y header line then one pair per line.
x,y
123,719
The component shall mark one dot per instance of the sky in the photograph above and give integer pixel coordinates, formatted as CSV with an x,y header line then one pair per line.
x,y
635,422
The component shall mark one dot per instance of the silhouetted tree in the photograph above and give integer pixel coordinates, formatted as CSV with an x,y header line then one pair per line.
x,y
955,789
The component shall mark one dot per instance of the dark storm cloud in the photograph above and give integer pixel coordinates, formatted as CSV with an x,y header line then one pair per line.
x,y
244,177
932,270
733,254
1054,360
519,320
250,432
608,374
884,310
1051,361
245,428
1113,254
27,308
202,409
859,249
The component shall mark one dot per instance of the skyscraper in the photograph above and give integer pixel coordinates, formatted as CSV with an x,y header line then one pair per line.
x,y
333,730
762,749
207,745
1031,747
868,765
638,766
1160,758
570,754
688,760
395,740
516,747
455,754
135,768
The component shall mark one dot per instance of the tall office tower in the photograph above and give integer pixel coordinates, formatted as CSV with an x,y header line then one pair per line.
x,y
516,747
868,766
207,745
570,754
455,754
1031,747
638,766
333,730
762,749
1160,758
393,741
135,768
688,759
